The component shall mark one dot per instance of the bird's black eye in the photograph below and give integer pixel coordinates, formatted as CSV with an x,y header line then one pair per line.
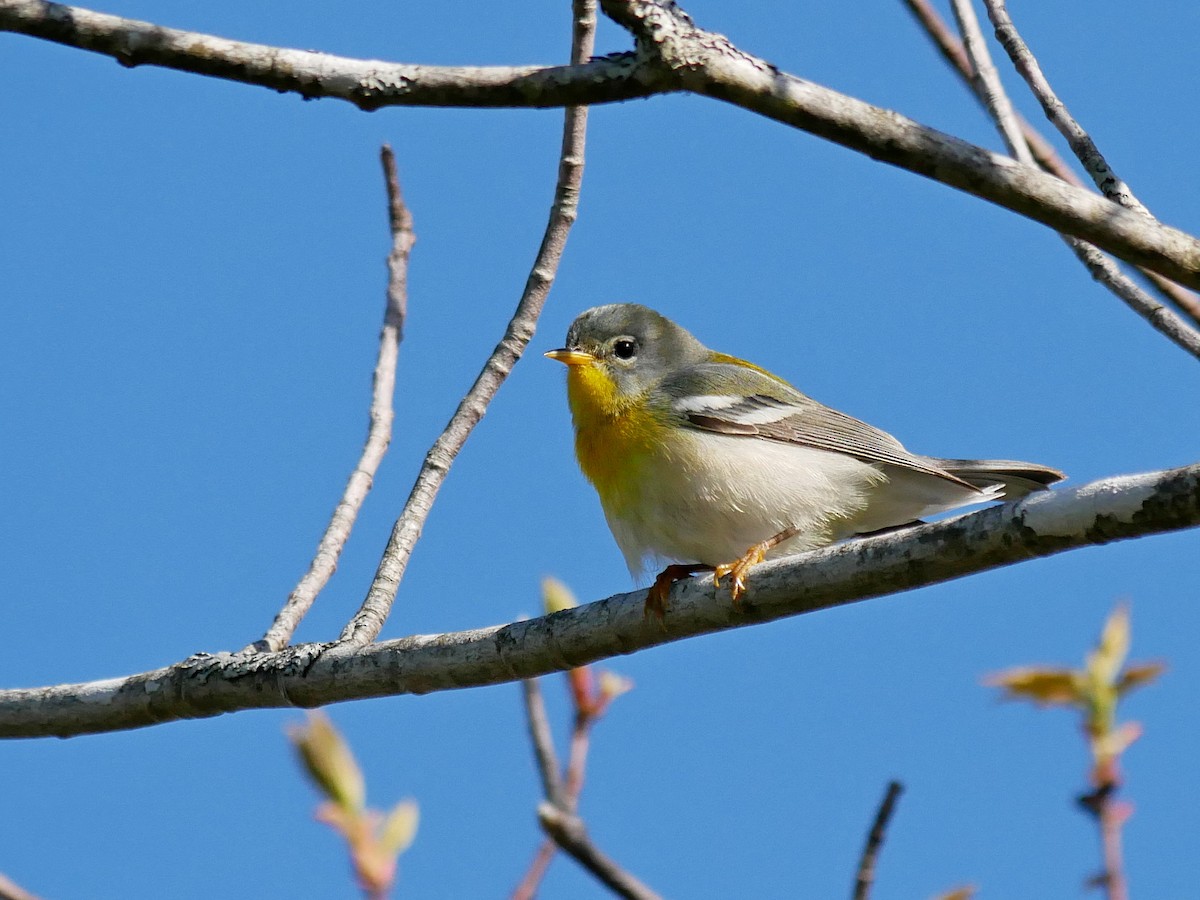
x,y
625,348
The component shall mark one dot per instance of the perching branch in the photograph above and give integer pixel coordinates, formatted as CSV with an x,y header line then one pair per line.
x,y
309,675
379,433
365,626
672,55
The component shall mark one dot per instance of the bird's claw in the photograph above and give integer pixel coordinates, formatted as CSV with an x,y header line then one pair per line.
x,y
656,597
739,569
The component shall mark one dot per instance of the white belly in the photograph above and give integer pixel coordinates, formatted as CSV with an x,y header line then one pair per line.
x,y
721,494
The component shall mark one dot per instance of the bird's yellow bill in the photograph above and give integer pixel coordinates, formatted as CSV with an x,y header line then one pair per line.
x,y
571,357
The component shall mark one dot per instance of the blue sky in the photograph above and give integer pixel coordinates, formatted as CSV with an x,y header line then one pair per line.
x,y
193,289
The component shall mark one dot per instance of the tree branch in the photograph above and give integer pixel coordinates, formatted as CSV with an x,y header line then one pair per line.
x,y
1082,145
542,740
309,675
10,890
864,878
955,55
987,86
673,54
368,84
366,624
706,63
570,834
379,432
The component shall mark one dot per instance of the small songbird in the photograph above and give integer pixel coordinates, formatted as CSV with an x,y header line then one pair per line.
x,y
710,462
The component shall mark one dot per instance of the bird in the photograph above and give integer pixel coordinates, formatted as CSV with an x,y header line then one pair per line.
x,y
710,463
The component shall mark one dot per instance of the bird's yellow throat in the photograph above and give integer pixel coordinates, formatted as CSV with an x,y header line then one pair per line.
x,y
614,435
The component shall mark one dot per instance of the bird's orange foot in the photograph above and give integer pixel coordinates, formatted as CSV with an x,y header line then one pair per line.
x,y
740,568
656,598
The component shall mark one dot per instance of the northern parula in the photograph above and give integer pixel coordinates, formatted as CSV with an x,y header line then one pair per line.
x,y
711,462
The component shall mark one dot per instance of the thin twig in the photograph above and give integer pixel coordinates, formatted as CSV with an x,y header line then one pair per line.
x,y
561,793
560,819
865,876
379,433
577,759
1102,268
986,81
1082,145
953,52
364,627
542,740
1110,815
1111,819
570,834
552,784
10,890
532,880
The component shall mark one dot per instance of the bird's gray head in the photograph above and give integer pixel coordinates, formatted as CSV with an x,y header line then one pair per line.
x,y
636,346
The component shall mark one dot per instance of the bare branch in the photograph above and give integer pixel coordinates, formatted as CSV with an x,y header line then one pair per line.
x,y
364,627
1110,815
955,54
368,84
577,761
1162,319
542,740
952,50
569,834
1106,180
987,85
672,55
527,889
865,877
705,62
379,433
986,82
10,890
1081,143
309,675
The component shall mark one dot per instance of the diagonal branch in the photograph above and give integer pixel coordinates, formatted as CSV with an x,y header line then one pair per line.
x,y
309,675
379,433
366,624
552,785
10,890
864,878
569,833
1080,141
542,740
673,55
955,55
987,85
706,63
367,83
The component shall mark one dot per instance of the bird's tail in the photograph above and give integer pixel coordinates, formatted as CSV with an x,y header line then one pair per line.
x,y
1016,478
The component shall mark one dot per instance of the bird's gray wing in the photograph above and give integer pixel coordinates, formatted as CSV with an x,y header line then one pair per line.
x,y
728,398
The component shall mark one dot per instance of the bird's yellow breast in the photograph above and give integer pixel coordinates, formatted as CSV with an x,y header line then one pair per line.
x,y
615,436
